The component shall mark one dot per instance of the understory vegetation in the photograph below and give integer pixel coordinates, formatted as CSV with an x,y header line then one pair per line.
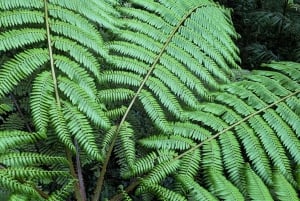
x,y
149,100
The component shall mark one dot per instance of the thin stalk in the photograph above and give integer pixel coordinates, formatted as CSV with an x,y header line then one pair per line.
x,y
78,195
155,62
79,171
235,124
132,186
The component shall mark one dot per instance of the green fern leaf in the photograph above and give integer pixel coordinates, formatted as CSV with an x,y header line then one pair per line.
x,y
11,18
9,182
7,5
29,159
190,130
60,125
11,139
194,190
162,193
270,141
283,189
249,140
91,11
125,147
85,103
76,74
147,163
166,142
115,95
211,160
189,164
160,172
154,111
42,89
13,122
18,38
256,188
81,130
18,197
63,193
223,189
19,68
33,173
82,36
233,160
79,53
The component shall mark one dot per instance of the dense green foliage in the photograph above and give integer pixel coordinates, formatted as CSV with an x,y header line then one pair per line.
x,y
269,30
141,100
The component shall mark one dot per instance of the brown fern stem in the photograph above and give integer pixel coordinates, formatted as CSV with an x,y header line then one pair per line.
x,y
133,185
79,171
108,155
78,194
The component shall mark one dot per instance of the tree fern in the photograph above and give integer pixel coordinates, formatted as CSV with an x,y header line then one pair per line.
x,y
164,102
50,40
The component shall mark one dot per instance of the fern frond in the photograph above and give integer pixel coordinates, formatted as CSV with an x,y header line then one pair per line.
x,y
29,159
11,139
283,189
286,135
270,141
62,194
154,111
81,129
233,160
77,34
190,130
161,192
107,139
291,69
256,188
211,161
115,95
90,10
33,173
166,142
79,53
76,74
194,190
19,197
189,164
17,38
141,166
249,140
75,47
159,39
125,147
60,126
7,5
42,89
84,102
147,163
13,122
23,65
9,182
223,189
11,18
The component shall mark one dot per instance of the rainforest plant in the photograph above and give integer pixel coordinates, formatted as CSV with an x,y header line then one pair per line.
x,y
140,100
269,30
